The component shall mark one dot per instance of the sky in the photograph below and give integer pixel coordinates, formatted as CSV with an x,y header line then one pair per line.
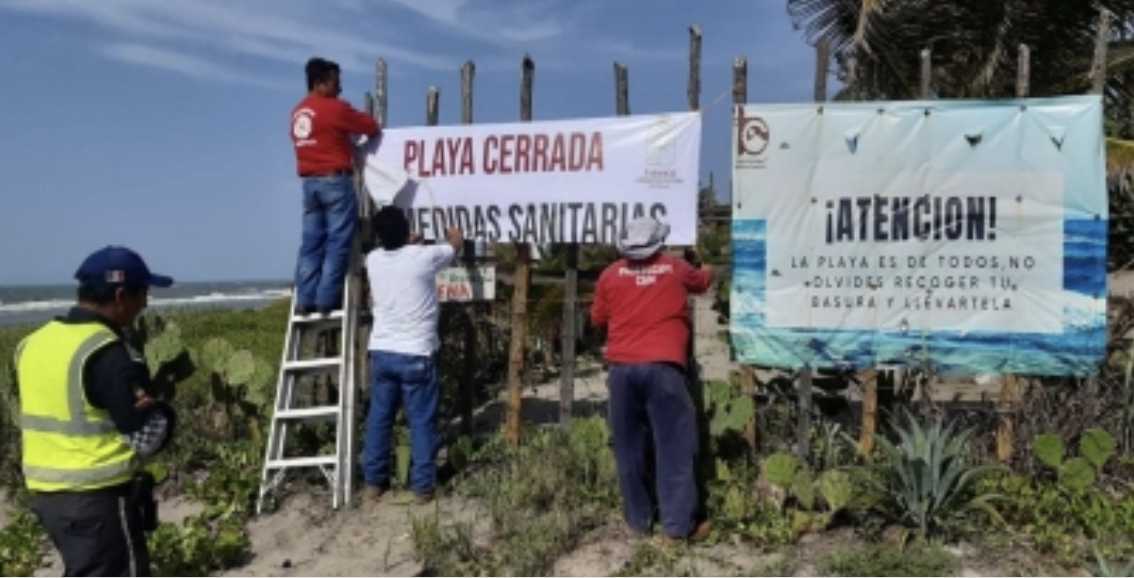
x,y
163,125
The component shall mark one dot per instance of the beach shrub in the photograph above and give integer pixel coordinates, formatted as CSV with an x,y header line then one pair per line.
x,y
886,560
540,498
1060,519
1096,447
23,544
925,480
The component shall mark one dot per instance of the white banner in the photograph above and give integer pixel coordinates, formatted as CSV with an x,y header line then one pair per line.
x,y
543,182
971,234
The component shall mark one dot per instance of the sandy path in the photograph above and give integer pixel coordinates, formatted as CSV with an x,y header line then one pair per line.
x,y
306,538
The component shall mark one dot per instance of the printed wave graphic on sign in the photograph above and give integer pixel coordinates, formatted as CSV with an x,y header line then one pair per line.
x,y
1075,351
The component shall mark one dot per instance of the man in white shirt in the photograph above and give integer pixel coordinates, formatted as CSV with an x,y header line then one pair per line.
x,y
403,347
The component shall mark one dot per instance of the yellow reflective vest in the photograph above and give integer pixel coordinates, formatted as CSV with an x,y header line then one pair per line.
x,y
68,444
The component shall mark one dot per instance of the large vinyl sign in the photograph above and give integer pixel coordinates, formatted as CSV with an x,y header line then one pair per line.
x,y
575,181
967,235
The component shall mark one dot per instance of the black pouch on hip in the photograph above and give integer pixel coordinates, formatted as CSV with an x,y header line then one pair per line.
x,y
142,500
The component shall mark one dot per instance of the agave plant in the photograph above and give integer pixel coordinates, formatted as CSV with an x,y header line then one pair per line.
x,y
926,477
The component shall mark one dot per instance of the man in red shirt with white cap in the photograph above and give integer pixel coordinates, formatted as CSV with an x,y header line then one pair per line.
x,y
642,301
322,127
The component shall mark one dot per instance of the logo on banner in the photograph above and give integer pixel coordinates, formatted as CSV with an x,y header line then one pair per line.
x,y
752,138
661,155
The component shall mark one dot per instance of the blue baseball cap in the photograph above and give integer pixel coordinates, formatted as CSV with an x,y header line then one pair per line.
x,y
115,265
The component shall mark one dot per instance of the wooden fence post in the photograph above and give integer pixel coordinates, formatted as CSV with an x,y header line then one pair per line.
x,y
432,102
522,279
926,74
694,89
468,71
803,385
869,411
1098,63
1006,428
621,89
1009,399
747,375
380,92
822,61
1023,71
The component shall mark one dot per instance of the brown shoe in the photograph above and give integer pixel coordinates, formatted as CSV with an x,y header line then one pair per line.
x,y
372,495
423,498
699,533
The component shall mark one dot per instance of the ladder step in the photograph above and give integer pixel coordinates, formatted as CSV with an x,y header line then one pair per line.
x,y
324,363
302,462
308,412
318,317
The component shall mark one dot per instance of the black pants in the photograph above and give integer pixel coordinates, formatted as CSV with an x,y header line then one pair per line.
x,y
98,533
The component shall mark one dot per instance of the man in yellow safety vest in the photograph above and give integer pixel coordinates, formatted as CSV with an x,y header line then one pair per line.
x,y
87,420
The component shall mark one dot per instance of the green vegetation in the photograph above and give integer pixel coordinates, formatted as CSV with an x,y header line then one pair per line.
x,y
1068,503
925,478
540,500
884,560
22,545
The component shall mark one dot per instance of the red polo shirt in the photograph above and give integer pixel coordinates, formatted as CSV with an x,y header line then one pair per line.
x,y
644,305
321,127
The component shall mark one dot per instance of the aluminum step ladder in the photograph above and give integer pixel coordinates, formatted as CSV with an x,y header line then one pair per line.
x,y
337,468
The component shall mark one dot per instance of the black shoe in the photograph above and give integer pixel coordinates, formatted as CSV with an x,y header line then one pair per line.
x,y
304,310
325,311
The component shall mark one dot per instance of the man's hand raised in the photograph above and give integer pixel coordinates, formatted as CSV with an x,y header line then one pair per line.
x,y
455,238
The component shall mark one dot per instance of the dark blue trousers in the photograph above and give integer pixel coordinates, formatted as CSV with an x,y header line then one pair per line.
x,y
651,400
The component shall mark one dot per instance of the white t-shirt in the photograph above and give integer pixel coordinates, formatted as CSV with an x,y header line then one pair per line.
x,y
403,290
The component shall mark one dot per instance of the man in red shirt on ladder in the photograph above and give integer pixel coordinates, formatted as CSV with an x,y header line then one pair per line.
x,y
322,127
642,301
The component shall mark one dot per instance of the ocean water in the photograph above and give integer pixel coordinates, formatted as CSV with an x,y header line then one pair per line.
x,y
1077,350
36,303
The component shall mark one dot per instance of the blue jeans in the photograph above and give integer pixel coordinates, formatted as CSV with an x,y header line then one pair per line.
x,y
397,378
329,216
652,398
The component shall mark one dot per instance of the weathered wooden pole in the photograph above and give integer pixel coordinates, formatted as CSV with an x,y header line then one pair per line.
x,y
694,89
926,74
380,92
621,89
432,103
1008,402
521,279
1023,71
822,61
1098,63
747,374
693,92
803,385
1006,427
869,380
468,72
567,332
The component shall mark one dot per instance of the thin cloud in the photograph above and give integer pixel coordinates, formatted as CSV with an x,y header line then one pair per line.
x,y
277,31
499,23
185,64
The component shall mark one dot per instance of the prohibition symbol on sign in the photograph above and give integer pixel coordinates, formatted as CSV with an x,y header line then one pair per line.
x,y
752,136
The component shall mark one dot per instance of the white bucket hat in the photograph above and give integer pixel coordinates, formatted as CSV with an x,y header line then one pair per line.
x,y
642,237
